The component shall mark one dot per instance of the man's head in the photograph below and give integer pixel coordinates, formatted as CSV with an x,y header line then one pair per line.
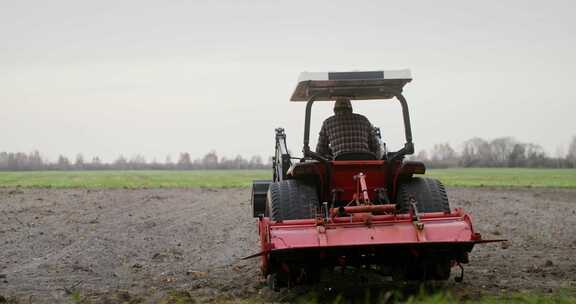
x,y
342,105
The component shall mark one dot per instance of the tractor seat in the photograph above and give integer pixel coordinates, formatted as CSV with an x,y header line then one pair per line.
x,y
356,156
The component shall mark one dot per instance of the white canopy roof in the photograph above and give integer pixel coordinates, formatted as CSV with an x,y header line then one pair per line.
x,y
354,85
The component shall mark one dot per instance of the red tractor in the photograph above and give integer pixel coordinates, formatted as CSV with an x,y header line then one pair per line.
x,y
320,213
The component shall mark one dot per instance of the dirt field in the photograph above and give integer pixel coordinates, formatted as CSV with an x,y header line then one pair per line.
x,y
123,245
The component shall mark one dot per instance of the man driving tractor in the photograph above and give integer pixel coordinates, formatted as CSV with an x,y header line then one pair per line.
x,y
347,135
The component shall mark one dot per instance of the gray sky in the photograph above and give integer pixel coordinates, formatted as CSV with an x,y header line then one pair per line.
x,y
161,77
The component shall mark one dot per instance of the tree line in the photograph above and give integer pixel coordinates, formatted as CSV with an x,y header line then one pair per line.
x,y
475,152
498,152
19,161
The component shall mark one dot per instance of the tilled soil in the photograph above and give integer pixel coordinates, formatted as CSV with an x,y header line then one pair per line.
x,y
128,245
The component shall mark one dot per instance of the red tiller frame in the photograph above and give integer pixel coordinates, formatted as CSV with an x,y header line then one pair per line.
x,y
370,230
365,230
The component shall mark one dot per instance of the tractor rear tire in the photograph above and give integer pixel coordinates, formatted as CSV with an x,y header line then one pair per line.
x,y
429,194
291,200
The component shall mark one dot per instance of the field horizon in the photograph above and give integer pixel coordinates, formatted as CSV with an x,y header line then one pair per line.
x,y
455,177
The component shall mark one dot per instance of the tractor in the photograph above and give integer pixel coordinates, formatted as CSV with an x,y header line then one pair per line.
x,y
358,210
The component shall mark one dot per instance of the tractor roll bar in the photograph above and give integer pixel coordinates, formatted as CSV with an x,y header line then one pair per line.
x,y
406,116
406,150
307,124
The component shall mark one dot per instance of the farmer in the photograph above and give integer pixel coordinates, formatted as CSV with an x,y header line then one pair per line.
x,y
347,135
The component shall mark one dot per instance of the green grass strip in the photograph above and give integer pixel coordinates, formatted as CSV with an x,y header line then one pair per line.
x,y
132,179
461,177
506,177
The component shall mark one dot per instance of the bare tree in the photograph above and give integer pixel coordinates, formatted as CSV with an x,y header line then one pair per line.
x,y
63,163
535,156
571,156
3,160
476,152
137,161
517,157
256,161
121,163
240,162
443,152
501,149
559,158
184,161
35,161
210,160
443,156
96,161
79,163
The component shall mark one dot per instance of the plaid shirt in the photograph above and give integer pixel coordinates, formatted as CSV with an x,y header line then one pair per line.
x,y
347,132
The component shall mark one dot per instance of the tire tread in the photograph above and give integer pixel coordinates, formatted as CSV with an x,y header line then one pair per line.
x,y
429,193
291,199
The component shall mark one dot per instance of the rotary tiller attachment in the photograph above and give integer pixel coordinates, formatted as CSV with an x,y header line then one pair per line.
x,y
407,247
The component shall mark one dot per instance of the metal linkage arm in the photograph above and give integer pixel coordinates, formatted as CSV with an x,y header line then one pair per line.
x,y
282,160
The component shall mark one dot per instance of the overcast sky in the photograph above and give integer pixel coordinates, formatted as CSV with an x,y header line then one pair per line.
x,y
161,77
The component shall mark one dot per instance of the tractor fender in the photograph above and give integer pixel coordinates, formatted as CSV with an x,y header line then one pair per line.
x,y
412,167
406,170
